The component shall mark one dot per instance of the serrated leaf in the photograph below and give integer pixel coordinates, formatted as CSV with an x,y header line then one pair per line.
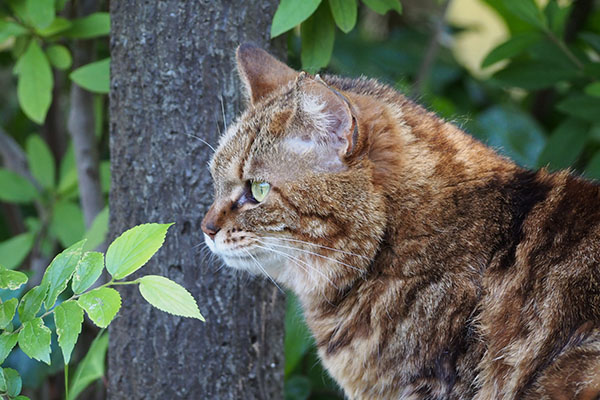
x,y
97,233
344,13
40,12
11,280
15,188
34,87
94,77
9,28
34,340
59,56
67,222
41,161
514,46
14,250
88,271
130,251
383,6
60,271
31,302
68,317
13,382
318,35
7,342
101,305
7,312
91,26
57,26
581,106
169,296
91,367
564,145
291,13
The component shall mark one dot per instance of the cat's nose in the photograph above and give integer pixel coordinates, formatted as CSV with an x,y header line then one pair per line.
x,y
210,229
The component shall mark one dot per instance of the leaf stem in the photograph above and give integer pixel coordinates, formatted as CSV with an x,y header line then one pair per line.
x,y
67,382
565,49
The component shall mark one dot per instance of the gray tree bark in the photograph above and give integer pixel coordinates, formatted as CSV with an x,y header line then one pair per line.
x,y
173,78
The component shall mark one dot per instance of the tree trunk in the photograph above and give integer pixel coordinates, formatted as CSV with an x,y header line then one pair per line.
x,y
173,78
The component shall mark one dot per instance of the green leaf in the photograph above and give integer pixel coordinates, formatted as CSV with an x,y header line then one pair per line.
x,y
7,312
593,89
105,176
291,13
11,280
13,381
514,46
383,6
94,77
344,13
318,35
34,88
91,26
101,305
59,56
581,106
564,145
57,26
14,250
534,75
91,367
9,29
34,340
88,271
130,251
297,336
31,302
557,17
41,162
15,188
2,381
60,271
593,39
68,317
7,342
97,233
169,296
527,11
40,12
67,222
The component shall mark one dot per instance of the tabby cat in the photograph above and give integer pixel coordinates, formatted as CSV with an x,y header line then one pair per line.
x,y
428,266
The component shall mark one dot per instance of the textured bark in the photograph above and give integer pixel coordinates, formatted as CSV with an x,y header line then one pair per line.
x,y
172,63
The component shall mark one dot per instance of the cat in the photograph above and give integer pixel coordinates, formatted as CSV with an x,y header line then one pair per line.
x,y
428,266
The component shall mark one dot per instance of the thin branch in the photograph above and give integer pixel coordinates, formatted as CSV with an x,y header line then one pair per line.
x,y
432,51
81,128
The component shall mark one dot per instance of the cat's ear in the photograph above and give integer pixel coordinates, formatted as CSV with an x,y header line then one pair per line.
x,y
330,115
261,72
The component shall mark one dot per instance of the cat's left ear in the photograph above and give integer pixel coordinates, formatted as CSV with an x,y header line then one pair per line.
x,y
261,72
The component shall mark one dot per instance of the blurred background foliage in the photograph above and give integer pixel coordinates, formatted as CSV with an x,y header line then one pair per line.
x,y
520,75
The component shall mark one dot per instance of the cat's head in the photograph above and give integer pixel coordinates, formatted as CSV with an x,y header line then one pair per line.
x,y
294,195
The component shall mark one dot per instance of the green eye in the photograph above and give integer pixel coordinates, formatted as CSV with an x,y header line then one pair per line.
x,y
260,190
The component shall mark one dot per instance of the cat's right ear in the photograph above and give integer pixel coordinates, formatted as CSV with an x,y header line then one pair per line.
x,y
261,72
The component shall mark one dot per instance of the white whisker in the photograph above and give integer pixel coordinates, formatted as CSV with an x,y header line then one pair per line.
x,y
223,112
200,139
317,245
290,257
314,254
263,270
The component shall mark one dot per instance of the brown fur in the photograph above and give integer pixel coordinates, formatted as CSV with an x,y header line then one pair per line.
x,y
428,266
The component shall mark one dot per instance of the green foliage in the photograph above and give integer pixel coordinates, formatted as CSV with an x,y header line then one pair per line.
x,y
168,296
35,82
41,162
15,188
127,254
94,77
318,35
14,250
91,367
344,14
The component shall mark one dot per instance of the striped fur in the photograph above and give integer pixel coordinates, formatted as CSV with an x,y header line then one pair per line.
x,y
428,266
